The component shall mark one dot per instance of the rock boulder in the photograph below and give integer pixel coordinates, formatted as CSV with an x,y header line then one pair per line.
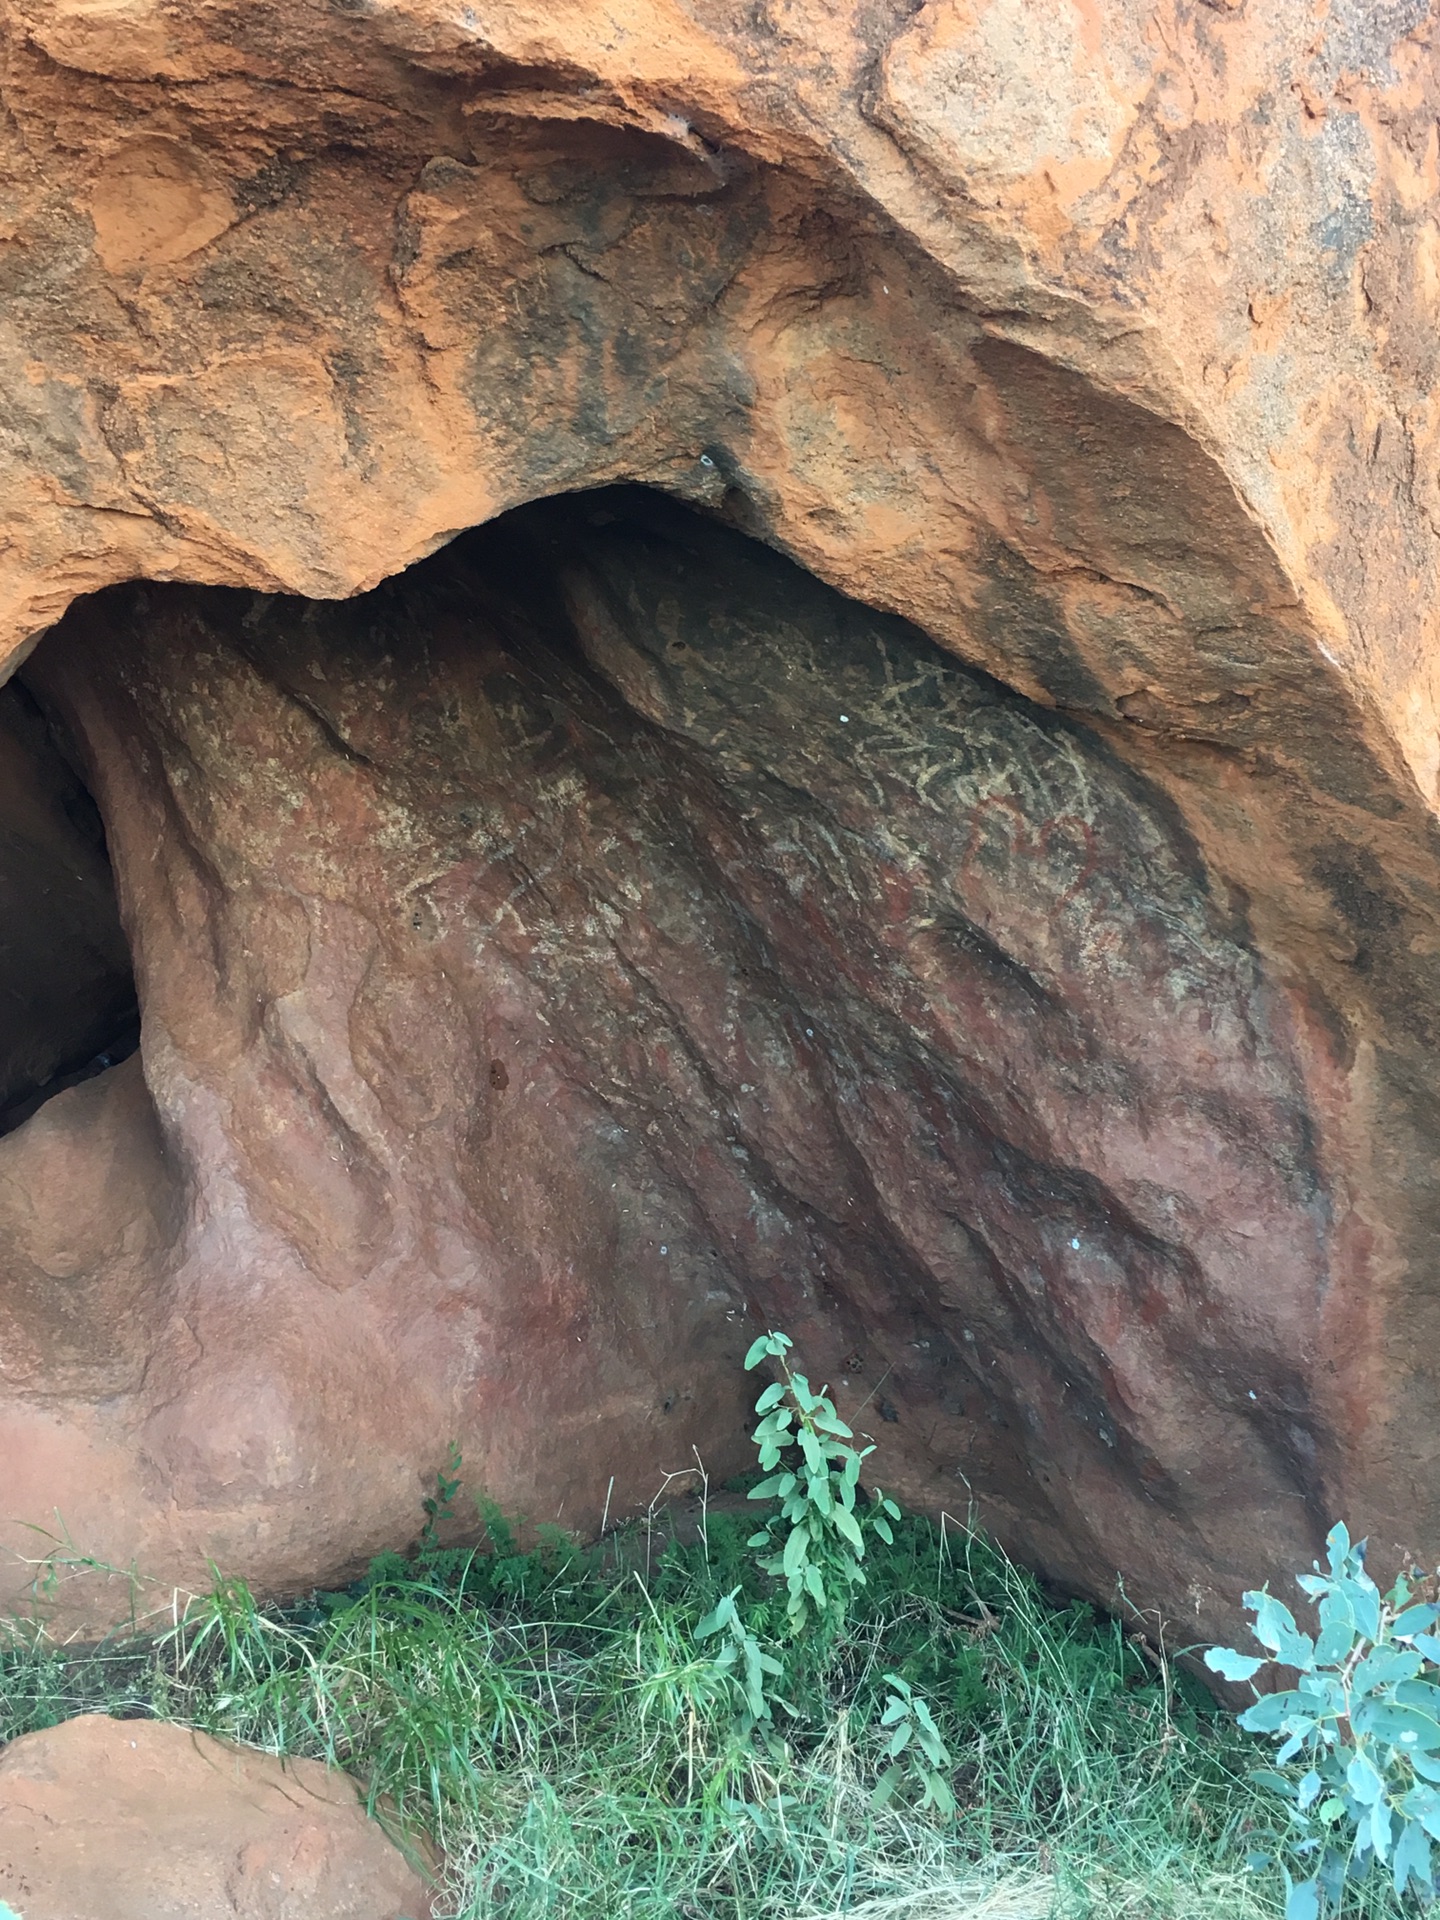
x,y
135,1820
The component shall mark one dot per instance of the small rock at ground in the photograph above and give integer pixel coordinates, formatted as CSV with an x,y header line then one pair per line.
x,y
106,1819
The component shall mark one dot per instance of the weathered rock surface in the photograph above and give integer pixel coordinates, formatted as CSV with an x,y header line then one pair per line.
x,y
133,1820
1057,1047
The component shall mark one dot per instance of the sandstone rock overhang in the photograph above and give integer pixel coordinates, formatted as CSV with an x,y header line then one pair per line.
x,y
1111,374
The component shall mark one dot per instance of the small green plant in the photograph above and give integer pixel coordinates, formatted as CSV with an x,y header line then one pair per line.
x,y
915,1749
440,1505
815,1542
741,1655
1359,1732
816,1537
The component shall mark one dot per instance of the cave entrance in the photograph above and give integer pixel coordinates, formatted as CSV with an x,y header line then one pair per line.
x,y
604,936
68,1007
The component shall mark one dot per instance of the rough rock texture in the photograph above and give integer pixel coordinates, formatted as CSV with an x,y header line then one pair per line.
x,y
1112,372
132,1820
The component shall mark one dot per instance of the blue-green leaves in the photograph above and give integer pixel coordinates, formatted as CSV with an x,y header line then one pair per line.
x,y
1233,1666
1362,1721
1275,1628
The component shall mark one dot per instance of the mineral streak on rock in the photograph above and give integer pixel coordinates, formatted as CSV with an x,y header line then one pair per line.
x,y
1061,1041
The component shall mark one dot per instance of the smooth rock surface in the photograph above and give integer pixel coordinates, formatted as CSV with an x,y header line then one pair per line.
x,y
134,1820
1114,373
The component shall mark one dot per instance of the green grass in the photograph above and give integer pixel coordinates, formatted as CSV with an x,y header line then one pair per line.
x,y
548,1716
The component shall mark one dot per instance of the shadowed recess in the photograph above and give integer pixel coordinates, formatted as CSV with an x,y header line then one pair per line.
x,y
67,994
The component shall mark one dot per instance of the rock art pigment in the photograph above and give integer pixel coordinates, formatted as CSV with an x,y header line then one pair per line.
x,y
957,878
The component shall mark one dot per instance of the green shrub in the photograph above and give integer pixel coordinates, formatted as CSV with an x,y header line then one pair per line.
x,y
1359,1732
815,1539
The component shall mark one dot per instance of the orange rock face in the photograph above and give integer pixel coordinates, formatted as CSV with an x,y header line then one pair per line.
x,y
133,1820
1051,1035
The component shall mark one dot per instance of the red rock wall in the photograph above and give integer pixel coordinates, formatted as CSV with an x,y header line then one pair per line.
x,y
605,940
1111,373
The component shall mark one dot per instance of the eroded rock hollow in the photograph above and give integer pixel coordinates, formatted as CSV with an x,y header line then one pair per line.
x,y
605,939
909,814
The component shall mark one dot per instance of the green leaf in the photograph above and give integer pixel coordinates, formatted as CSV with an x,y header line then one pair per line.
x,y
797,1549
1336,1640
1302,1899
1275,1628
1269,1712
1277,1782
1380,1829
1412,1860
720,1616
771,1397
938,1794
1414,1620
1363,1780
759,1350
885,1786
925,1717
1231,1665
1405,1727
1364,1598
900,1739
1384,1667
772,1488
848,1527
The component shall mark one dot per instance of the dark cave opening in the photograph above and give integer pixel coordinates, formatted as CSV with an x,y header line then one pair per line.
x,y
68,1006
